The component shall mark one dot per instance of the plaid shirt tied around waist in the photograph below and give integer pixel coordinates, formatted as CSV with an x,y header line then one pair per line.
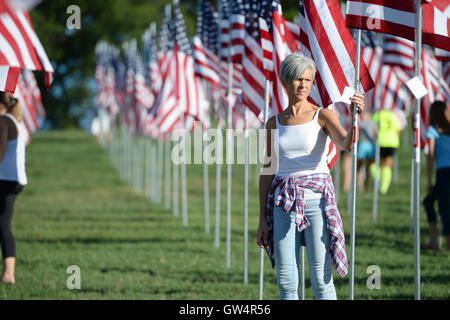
x,y
291,191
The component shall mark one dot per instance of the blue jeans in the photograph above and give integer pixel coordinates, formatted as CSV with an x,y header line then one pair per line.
x,y
286,251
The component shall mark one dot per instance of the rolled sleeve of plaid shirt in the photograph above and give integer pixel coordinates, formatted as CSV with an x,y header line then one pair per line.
x,y
291,191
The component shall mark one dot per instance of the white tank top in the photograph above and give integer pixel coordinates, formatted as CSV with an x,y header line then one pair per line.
x,y
12,168
301,150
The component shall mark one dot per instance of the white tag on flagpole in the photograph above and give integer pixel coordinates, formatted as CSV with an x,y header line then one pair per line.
x,y
347,95
417,88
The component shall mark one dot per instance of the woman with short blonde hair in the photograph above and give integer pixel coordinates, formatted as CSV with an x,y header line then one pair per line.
x,y
297,200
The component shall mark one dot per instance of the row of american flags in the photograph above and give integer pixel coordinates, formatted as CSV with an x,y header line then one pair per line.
x,y
173,81
21,53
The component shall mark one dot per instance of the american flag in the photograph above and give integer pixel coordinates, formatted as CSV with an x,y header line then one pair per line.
x,y
106,78
438,88
325,39
319,94
237,30
399,52
224,36
253,77
283,44
20,47
152,72
166,39
206,43
333,48
139,97
430,77
225,52
119,81
442,55
266,27
29,95
238,118
389,91
191,95
446,75
398,18
181,97
372,54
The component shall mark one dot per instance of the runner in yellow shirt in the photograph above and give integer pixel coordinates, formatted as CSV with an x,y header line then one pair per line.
x,y
389,140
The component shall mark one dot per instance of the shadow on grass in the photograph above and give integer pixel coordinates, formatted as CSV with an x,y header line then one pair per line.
x,y
381,241
102,240
103,219
127,269
213,276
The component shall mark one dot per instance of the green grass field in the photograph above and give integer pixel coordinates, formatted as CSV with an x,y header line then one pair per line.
x,y
77,211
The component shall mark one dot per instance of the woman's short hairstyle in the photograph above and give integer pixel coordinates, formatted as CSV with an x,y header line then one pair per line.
x,y
294,65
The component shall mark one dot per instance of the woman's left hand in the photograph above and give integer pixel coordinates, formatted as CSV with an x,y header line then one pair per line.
x,y
358,100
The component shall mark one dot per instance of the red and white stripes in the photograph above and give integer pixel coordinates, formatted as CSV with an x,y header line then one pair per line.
x,y
333,48
399,52
398,18
19,47
206,63
283,44
253,78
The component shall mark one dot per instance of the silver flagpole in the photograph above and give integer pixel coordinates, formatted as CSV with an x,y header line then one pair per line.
x,y
217,220
141,163
154,173
354,160
229,168
130,157
218,164
416,156
261,251
184,205
376,182
246,153
147,168
167,174
302,273
175,189
160,167
395,169
127,155
206,168
411,198
206,187
138,162
337,176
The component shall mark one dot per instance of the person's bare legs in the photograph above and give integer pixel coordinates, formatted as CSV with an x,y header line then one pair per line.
x,y
359,177
347,171
9,266
386,174
367,179
433,243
